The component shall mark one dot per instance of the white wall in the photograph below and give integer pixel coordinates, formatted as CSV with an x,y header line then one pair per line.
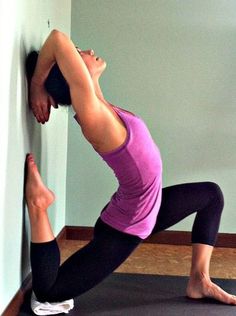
x,y
24,26
173,63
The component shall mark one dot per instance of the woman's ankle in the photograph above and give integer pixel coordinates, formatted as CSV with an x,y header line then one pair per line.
x,y
198,275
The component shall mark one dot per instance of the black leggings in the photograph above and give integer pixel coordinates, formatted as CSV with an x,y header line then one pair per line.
x,y
109,247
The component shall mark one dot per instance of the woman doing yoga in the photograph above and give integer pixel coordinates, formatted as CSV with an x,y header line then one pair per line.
x,y
139,208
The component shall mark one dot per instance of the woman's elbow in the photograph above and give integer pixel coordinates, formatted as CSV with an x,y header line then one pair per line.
x,y
55,32
57,35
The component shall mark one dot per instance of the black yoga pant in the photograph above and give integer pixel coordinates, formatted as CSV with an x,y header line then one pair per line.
x,y
109,247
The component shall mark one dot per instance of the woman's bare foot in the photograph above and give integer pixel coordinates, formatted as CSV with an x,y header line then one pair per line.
x,y
200,286
38,196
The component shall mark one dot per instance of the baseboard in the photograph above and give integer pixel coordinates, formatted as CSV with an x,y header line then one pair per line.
x,y
165,237
14,306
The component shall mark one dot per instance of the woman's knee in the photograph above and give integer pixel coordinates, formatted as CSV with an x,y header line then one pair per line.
x,y
217,196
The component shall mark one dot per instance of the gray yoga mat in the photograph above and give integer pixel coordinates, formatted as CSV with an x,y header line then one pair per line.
x,y
146,295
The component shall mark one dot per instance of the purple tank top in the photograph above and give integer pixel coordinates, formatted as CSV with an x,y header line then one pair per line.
x,y
137,165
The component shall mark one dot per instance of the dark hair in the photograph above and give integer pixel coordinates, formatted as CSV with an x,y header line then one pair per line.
x,y
55,83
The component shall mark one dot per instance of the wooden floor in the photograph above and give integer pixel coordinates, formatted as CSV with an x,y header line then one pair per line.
x,y
165,259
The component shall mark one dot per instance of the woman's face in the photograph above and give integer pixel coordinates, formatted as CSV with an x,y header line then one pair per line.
x,y
95,65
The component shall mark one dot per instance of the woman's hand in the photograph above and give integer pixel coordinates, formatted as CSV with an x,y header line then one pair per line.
x,y
40,102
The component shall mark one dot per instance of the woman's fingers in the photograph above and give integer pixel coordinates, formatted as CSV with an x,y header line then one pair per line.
x,y
37,113
41,112
41,103
42,108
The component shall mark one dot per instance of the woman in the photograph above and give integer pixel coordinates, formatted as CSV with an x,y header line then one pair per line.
x,y
140,206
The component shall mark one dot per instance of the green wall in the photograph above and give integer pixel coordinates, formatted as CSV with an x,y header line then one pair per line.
x,y
24,26
172,62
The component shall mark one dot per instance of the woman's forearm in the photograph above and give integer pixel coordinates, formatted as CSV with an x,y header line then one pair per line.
x,y
40,101
46,60
58,48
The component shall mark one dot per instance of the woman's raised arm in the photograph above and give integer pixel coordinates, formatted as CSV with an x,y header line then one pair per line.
x,y
58,48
